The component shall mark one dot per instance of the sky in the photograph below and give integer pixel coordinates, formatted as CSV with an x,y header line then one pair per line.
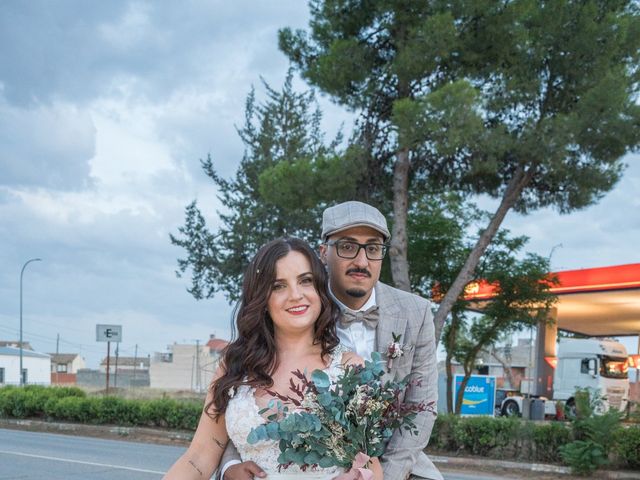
x,y
106,109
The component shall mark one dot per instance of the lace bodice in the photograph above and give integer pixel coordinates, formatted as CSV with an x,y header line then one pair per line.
x,y
243,414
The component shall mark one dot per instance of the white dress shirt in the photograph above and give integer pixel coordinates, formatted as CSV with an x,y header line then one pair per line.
x,y
358,337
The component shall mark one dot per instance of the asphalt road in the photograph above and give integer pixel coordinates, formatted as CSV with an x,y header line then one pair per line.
x,y
46,456
34,455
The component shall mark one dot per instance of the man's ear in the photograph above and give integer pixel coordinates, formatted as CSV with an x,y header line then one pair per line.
x,y
323,253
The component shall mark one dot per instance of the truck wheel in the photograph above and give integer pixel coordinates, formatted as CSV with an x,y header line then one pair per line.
x,y
510,409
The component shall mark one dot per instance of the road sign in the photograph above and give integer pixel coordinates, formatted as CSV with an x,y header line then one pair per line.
x,y
109,333
479,395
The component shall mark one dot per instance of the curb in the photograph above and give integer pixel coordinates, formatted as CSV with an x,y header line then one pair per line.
x,y
135,434
183,437
466,462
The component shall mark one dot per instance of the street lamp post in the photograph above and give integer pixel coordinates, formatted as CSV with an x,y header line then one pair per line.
x,y
21,274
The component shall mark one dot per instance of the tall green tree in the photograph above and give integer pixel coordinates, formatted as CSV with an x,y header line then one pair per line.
x,y
441,240
522,300
531,102
285,129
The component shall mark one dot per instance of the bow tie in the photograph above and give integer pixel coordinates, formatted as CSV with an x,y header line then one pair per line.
x,y
369,317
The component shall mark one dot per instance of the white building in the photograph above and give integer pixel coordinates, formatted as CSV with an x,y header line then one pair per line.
x,y
36,367
185,366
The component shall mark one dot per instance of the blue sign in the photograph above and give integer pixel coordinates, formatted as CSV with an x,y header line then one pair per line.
x,y
479,395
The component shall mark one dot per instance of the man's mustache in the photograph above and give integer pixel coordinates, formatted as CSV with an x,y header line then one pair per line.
x,y
362,271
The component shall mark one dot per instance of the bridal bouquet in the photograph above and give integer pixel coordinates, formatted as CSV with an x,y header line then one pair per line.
x,y
335,424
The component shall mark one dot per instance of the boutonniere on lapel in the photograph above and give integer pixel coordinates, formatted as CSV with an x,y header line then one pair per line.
x,y
394,350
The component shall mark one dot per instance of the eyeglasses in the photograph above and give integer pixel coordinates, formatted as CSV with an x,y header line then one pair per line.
x,y
350,250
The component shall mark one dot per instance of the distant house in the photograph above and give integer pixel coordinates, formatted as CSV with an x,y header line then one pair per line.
x,y
64,368
36,366
16,344
186,366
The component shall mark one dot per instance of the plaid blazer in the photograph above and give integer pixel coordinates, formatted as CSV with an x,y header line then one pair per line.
x,y
406,314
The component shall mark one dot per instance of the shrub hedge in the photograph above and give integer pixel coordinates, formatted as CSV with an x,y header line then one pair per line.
x,y
504,438
500,438
72,404
514,439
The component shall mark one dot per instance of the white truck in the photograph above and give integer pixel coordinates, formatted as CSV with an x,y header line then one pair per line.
x,y
600,365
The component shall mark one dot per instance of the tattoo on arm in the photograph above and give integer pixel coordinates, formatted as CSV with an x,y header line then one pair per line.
x,y
194,466
222,445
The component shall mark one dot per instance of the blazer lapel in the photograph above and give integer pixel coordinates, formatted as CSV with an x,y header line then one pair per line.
x,y
391,320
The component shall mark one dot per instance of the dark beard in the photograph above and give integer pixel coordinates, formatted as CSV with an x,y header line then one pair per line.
x,y
356,293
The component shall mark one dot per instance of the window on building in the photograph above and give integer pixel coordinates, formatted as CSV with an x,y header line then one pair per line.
x,y
61,368
25,376
1,375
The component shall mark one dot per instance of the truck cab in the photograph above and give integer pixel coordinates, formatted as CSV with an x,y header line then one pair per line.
x,y
597,364
600,365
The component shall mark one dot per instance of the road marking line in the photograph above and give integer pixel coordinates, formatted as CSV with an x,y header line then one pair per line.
x,y
68,460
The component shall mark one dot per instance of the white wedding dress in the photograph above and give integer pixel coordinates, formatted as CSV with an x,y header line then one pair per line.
x,y
243,414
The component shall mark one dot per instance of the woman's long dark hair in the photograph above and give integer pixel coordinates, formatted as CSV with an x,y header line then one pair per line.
x,y
251,358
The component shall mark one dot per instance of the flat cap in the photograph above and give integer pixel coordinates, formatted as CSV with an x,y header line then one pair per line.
x,y
353,214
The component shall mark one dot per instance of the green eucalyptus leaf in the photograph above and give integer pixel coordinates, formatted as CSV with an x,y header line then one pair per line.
x,y
321,380
273,431
325,399
256,435
326,462
312,457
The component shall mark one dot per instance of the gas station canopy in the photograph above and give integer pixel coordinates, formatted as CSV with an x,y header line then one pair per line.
x,y
597,302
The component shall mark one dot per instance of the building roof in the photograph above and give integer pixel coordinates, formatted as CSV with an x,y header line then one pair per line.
x,y
16,344
126,361
10,351
63,357
217,344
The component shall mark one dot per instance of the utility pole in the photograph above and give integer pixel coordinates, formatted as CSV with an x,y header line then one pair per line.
x,y
115,376
57,352
135,365
108,365
193,361
20,345
198,382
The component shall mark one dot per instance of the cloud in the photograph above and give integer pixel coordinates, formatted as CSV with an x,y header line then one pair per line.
x,y
48,146
600,235
82,50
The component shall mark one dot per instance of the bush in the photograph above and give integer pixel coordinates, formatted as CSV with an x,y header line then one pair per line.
x,y
118,411
627,446
548,439
73,409
443,434
29,401
483,435
583,456
72,404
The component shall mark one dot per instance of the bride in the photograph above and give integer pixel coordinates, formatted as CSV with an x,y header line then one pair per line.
x,y
286,321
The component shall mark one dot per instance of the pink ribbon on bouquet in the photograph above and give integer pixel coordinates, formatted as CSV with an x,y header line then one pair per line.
x,y
357,470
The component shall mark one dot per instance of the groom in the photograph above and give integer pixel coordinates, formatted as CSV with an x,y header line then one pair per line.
x,y
354,243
